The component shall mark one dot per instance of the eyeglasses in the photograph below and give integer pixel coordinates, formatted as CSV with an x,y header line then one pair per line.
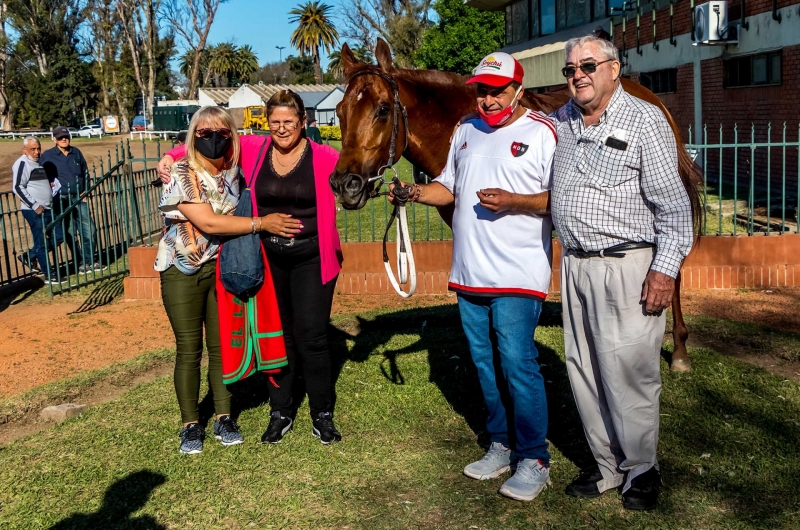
x,y
206,133
288,125
586,68
62,138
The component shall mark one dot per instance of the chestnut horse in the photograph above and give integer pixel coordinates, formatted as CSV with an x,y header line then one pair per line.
x,y
389,112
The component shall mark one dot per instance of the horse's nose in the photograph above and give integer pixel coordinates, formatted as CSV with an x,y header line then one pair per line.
x,y
353,184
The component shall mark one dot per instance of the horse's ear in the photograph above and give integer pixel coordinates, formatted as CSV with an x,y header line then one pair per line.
x,y
349,60
384,56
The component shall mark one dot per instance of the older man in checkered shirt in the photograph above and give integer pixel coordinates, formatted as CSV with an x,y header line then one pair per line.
x,y
625,223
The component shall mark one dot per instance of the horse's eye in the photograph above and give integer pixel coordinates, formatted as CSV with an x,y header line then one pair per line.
x,y
383,110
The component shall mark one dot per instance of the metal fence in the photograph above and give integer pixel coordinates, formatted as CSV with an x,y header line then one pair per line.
x,y
751,177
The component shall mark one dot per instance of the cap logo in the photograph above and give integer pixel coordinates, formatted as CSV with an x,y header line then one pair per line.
x,y
491,62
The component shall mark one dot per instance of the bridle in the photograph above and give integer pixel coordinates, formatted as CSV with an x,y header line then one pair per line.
x,y
406,268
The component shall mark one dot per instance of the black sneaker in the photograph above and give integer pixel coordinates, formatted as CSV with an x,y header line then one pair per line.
x,y
29,262
277,428
192,439
324,429
227,431
584,486
643,493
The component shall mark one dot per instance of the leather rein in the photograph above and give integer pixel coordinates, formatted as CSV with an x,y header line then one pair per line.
x,y
406,268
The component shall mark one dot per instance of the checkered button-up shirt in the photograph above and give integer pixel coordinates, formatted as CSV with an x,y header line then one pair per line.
x,y
603,196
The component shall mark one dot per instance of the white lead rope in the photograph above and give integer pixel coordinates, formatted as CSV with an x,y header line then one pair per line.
x,y
406,268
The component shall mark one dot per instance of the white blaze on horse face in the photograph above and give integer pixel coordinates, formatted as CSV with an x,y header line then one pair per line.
x,y
360,95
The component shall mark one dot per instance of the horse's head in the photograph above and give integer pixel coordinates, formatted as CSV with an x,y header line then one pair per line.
x,y
371,120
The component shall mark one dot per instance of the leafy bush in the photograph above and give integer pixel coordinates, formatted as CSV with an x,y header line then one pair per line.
x,y
330,132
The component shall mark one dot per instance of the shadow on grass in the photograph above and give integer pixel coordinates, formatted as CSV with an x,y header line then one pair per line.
x,y
452,370
121,499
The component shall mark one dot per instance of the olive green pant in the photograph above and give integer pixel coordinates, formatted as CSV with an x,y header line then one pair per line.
x,y
191,302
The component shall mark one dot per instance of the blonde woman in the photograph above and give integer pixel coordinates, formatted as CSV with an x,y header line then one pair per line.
x,y
197,206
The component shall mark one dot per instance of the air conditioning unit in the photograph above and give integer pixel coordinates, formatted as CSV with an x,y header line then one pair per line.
x,y
711,24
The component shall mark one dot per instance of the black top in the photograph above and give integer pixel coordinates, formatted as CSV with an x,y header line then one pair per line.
x,y
293,193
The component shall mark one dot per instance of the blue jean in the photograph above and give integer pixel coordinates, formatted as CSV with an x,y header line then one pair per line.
x,y
503,328
78,222
37,221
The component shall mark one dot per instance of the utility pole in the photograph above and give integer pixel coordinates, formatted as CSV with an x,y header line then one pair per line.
x,y
280,52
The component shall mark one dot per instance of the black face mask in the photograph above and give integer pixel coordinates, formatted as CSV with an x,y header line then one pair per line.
x,y
213,147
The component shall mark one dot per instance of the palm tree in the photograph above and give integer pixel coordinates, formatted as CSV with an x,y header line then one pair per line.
x,y
335,64
222,61
245,63
314,29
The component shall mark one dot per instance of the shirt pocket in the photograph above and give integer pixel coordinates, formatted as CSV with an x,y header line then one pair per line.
x,y
615,167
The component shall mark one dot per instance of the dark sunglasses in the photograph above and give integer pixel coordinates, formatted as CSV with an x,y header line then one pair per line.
x,y
206,132
586,68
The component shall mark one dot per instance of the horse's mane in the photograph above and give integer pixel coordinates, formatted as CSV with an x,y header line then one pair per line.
x,y
427,77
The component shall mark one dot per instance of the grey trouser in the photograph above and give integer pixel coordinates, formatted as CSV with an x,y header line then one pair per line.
x,y
613,360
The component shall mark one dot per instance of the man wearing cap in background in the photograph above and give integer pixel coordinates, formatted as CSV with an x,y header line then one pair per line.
x,y
498,173
69,166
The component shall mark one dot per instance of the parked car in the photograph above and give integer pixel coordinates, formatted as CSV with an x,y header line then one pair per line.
x,y
87,131
73,132
139,123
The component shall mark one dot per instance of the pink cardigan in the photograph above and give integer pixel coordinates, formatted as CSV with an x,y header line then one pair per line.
x,y
325,158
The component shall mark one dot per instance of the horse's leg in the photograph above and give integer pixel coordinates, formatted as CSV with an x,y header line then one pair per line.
x,y
446,212
680,357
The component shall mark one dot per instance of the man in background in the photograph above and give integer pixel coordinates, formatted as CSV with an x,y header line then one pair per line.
x,y
35,192
69,165
312,132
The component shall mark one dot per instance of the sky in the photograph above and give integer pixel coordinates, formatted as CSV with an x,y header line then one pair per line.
x,y
263,24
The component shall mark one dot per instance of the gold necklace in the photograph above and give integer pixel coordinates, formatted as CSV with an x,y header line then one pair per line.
x,y
293,161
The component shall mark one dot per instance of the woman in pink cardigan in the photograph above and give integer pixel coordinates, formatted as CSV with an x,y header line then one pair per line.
x,y
301,241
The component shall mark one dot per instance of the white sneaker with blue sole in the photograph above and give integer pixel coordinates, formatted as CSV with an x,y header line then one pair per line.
x,y
494,463
528,481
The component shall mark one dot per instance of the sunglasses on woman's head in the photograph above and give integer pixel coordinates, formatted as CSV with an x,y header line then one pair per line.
x,y
586,68
206,132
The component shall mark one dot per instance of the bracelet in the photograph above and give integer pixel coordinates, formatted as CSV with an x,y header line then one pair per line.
x,y
415,193
253,224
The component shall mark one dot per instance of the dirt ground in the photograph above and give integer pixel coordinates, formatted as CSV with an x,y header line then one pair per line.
x,y
43,340
92,150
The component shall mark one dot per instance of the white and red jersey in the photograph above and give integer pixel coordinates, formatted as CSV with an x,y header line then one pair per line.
x,y
508,253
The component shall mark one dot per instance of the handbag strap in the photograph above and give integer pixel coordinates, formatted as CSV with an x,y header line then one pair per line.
x,y
256,165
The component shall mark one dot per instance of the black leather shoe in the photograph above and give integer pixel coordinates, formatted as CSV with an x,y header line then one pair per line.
x,y
643,493
584,486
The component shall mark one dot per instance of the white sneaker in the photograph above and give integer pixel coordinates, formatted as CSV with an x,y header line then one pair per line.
x,y
530,479
494,463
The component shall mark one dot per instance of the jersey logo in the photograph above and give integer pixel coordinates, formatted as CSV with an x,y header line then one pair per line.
x,y
463,147
518,149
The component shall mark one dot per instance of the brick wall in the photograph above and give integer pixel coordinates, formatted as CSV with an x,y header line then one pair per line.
x,y
682,21
724,262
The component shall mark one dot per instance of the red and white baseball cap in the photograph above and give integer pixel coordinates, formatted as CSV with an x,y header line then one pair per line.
x,y
497,69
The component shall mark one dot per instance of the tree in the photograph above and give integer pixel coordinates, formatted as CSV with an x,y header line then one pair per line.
x,y
335,66
401,23
462,37
139,25
192,20
245,63
5,121
314,29
221,61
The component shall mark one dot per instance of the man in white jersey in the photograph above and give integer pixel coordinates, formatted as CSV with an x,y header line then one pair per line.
x,y
498,173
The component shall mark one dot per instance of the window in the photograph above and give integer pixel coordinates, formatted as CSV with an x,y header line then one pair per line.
x,y
660,81
753,70
548,16
517,22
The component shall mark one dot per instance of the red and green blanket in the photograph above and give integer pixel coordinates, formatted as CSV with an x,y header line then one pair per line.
x,y
251,336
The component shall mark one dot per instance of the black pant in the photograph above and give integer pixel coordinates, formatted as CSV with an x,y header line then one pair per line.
x,y
304,304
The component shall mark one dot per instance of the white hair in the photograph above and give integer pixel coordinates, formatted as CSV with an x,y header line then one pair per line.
x,y
607,48
29,139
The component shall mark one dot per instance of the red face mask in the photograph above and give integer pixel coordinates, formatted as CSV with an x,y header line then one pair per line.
x,y
500,118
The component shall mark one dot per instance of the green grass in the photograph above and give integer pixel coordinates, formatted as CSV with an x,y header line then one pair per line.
x,y
408,405
751,339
